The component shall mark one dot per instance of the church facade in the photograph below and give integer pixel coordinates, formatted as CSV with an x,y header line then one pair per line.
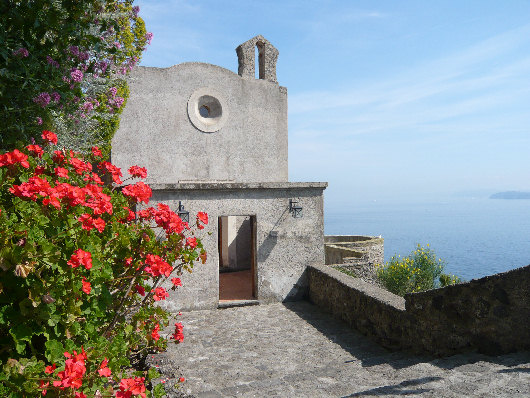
x,y
216,141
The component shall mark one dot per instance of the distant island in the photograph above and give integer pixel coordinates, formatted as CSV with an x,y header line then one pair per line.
x,y
511,195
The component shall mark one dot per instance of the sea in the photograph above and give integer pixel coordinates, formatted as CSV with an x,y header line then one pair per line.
x,y
474,236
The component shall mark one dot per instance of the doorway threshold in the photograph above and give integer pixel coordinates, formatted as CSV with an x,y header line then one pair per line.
x,y
236,303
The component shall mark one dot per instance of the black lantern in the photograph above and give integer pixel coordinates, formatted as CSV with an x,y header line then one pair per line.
x,y
294,209
183,214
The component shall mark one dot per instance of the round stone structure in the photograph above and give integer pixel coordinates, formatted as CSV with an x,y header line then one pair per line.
x,y
207,110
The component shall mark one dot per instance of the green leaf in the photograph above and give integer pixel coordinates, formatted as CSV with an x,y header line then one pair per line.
x,y
54,350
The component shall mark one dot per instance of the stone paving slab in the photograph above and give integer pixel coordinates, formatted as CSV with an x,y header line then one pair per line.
x,y
297,350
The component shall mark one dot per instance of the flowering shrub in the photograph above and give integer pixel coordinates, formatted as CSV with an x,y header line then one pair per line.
x,y
63,68
417,272
80,271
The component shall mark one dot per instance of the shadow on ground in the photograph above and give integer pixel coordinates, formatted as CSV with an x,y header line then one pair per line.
x,y
352,342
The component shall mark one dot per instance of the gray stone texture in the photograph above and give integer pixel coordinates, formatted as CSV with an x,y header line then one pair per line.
x,y
365,249
490,314
284,245
156,132
298,350
268,55
357,254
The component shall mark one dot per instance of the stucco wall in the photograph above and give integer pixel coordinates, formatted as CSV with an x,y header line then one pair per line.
x,y
156,130
490,314
285,245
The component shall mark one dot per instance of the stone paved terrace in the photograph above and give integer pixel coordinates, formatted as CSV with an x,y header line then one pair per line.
x,y
297,350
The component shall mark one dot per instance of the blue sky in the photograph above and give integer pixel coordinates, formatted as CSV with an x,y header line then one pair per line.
x,y
387,99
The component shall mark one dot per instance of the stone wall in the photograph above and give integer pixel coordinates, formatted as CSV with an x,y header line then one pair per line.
x,y
360,250
284,245
243,137
490,314
340,255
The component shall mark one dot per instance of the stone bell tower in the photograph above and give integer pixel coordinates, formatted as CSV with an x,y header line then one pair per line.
x,y
267,57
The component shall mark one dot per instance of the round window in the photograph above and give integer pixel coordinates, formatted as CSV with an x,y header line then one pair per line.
x,y
206,110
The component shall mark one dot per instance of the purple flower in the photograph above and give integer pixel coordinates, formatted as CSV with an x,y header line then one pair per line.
x,y
87,106
102,66
43,99
39,121
113,91
21,52
56,97
118,102
135,11
148,37
76,75
51,61
74,50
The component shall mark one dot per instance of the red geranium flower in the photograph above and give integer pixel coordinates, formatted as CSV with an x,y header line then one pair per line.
x,y
191,242
113,170
37,150
103,370
157,266
178,336
140,290
160,294
49,136
72,375
137,171
89,223
12,158
61,172
140,192
81,257
96,151
86,286
176,281
130,387
201,218
154,333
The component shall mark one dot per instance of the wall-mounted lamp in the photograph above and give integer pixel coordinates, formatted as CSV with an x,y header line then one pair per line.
x,y
294,209
183,214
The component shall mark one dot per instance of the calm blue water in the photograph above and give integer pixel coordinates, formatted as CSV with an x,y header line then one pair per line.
x,y
476,237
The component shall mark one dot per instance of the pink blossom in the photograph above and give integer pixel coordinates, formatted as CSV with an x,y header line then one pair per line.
x,y
52,62
74,50
102,66
148,37
21,52
39,121
113,91
55,96
87,106
43,99
76,75
118,102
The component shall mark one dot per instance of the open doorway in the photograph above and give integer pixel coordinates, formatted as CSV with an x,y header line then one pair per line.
x,y
237,258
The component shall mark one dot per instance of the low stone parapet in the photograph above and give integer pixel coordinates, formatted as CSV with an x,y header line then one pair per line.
x,y
340,249
490,315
